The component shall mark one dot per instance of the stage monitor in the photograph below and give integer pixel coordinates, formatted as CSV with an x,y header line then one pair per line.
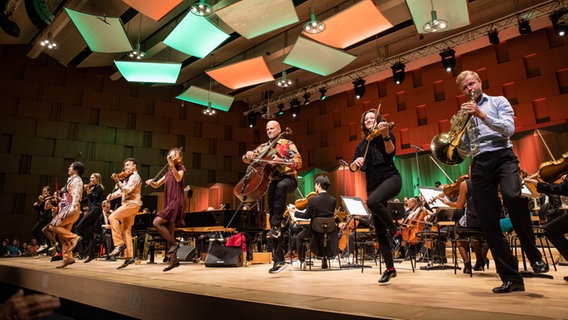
x,y
354,206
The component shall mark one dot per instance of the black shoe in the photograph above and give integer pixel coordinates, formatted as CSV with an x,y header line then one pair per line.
x,y
168,268
126,263
117,250
324,263
479,265
467,268
540,267
509,286
89,259
278,266
274,232
109,258
387,275
566,278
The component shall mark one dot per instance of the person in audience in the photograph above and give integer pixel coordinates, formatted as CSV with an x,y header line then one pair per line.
x,y
29,307
14,248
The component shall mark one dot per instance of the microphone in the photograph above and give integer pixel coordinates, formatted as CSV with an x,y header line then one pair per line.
x,y
343,162
416,147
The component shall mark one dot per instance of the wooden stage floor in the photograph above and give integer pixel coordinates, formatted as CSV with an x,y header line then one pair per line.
x,y
194,291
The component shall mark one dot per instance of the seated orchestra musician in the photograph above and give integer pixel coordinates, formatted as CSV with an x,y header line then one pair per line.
x,y
320,205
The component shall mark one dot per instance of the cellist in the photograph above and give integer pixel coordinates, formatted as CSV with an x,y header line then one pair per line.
x,y
284,161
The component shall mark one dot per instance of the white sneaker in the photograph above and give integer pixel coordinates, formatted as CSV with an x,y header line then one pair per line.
x,y
42,248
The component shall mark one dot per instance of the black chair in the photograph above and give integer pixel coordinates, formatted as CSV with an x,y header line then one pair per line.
x,y
467,235
437,236
324,239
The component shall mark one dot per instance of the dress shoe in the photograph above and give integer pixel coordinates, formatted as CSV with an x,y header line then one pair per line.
x,y
117,250
566,278
74,243
540,267
387,275
66,262
509,286
467,267
126,263
168,268
89,259
324,263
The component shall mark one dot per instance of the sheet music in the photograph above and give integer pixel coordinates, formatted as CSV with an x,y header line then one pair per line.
x,y
293,214
355,206
430,193
526,192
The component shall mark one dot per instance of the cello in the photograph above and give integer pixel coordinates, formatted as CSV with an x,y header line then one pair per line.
x,y
254,184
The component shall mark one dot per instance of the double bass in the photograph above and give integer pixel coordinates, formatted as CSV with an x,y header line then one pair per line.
x,y
254,184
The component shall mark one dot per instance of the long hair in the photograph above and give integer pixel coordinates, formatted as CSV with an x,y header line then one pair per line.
x,y
99,179
378,119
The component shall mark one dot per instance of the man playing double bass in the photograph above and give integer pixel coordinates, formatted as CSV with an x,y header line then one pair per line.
x,y
283,162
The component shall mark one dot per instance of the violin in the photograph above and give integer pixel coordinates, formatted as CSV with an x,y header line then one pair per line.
x,y
376,132
121,175
552,171
301,204
452,190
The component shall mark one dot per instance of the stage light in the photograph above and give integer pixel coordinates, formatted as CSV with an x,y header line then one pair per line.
x,y
306,98
322,92
359,88
201,8
314,26
448,59
524,26
493,36
295,107
559,20
435,24
251,118
48,42
209,111
398,72
280,109
283,82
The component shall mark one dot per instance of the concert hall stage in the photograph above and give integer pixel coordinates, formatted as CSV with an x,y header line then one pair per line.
x,y
193,291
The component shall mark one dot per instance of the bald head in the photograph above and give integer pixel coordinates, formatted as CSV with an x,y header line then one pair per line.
x,y
273,129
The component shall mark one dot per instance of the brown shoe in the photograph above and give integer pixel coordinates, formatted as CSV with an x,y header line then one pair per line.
x,y
74,243
66,262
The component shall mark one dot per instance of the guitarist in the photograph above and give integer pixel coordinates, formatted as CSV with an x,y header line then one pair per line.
x,y
69,212
284,160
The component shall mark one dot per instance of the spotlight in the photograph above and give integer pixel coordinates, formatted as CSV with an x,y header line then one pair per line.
x,y
435,24
201,8
559,20
267,115
209,111
322,92
306,98
280,109
398,72
314,26
251,119
137,54
49,43
359,88
524,26
295,107
448,59
493,36
283,82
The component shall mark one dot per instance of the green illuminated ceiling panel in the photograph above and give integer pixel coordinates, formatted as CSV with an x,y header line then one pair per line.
x,y
102,34
149,72
203,97
316,57
251,18
195,36
455,12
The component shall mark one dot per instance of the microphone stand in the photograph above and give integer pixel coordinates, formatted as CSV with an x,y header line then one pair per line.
x,y
416,149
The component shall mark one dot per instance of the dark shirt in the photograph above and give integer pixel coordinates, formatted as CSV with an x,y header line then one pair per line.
x,y
378,165
553,188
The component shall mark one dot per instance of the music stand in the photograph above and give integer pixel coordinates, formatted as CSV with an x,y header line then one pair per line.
x,y
356,209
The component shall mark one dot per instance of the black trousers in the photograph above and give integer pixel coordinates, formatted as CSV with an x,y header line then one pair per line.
x,y
277,193
488,172
555,231
382,219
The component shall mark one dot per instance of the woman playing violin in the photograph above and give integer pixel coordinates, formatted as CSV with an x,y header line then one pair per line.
x,y
555,229
173,209
374,155
87,226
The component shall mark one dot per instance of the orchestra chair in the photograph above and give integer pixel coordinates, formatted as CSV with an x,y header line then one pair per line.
x,y
437,236
365,241
467,235
324,240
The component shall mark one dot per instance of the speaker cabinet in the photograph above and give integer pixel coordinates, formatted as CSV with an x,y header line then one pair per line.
x,y
221,256
186,253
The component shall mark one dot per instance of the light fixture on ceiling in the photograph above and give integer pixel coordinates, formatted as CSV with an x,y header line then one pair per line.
x,y
280,109
209,111
493,35
267,115
435,24
251,119
283,82
137,53
48,42
201,8
524,26
314,26
295,107
448,59
306,97
559,19
398,72
322,92
359,88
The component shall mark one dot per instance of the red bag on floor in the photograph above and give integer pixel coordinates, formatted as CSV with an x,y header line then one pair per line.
x,y
237,240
